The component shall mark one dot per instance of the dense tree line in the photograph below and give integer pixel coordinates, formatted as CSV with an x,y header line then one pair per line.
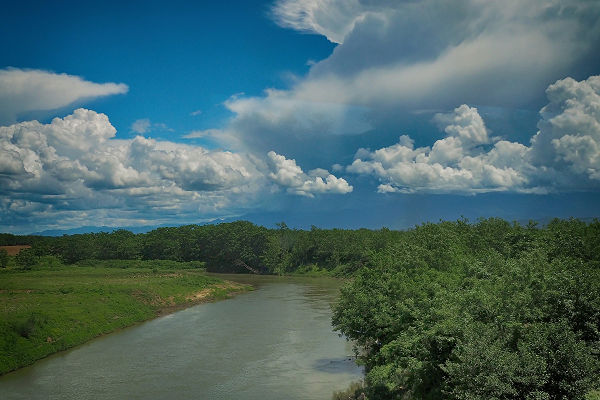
x,y
489,310
222,247
226,247
484,311
337,251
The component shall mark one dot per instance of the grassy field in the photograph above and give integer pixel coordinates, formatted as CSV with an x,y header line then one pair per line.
x,y
43,311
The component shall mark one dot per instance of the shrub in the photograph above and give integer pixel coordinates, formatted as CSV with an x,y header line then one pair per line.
x,y
26,259
3,258
50,262
354,392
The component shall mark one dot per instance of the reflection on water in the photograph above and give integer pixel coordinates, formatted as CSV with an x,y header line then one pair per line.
x,y
273,343
336,365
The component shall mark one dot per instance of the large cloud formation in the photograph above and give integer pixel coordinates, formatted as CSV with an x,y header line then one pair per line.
x,y
23,90
563,155
395,56
74,168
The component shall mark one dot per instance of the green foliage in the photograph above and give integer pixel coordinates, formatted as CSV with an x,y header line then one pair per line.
x,y
354,392
49,262
500,312
26,258
30,324
3,258
311,270
593,395
226,247
151,264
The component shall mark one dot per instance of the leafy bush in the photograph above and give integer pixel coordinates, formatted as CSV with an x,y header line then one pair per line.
x,y
49,262
354,392
312,270
593,395
26,259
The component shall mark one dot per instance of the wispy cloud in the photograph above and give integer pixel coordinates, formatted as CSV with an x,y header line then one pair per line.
x,y
26,90
409,56
141,126
144,125
332,19
207,133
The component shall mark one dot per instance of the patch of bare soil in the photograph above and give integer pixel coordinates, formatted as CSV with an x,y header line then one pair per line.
x,y
202,296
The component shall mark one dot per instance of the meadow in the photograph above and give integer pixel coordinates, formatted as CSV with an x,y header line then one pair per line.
x,y
46,310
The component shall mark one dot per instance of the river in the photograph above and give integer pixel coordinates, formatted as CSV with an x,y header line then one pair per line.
x,y
274,342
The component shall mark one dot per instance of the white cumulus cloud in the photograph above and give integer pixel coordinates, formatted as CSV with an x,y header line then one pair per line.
x,y
568,140
76,163
75,169
288,174
564,154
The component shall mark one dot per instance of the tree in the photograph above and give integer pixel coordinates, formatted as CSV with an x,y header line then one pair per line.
x,y
26,258
510,313
3,258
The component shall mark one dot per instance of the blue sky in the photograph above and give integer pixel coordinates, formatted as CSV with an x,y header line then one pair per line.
x,y
177,57
331,113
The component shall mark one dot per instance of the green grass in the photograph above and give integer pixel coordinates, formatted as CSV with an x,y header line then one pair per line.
x,y
160,264
43,311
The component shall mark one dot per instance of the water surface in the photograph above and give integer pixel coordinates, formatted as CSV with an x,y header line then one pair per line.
x,y
275,342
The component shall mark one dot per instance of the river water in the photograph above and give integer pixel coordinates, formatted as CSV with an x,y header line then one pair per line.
x,y
275,342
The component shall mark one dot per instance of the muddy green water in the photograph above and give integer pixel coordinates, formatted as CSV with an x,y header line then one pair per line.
x,y
275,342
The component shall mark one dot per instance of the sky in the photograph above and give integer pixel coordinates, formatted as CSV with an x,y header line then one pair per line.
x,y
333,113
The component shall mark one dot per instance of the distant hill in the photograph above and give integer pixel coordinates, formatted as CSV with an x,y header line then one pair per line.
x,y
94,229
269,220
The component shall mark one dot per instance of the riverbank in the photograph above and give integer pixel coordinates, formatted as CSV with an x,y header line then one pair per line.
x,y
49,310
271,343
